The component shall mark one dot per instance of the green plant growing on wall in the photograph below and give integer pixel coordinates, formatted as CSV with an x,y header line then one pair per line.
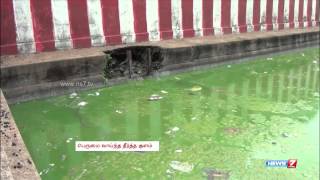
x,y
106,69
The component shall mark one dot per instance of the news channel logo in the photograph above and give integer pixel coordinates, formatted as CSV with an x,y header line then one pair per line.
x,y
291,163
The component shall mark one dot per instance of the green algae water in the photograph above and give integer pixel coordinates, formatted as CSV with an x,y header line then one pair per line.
x,y
217,123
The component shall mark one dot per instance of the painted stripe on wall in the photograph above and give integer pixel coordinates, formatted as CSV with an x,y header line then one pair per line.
x,y
42,25
281,14
207,17
305,13
275,11
269,14
110,21
256,15
234,16
8,32
79,24
217,16
263,14
296,13
187,18
286,12
309,13
152,19
24,28
317,12
292,13
95,23
176,18
140,21
61,24
249,15
165,20
126,21
197,17
300,17
242,16
225,16
313,13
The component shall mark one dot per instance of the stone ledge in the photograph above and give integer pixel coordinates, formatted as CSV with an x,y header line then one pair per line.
x,y
27,77
16,162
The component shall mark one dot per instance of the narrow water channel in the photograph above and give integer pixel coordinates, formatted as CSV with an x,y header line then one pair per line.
x,y
223,122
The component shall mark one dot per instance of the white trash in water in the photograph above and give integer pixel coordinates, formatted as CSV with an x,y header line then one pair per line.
x,y
68,140
118,111
164,92
269,59
97,93
72,95
178,151
181,166
82,103
155,97
175,129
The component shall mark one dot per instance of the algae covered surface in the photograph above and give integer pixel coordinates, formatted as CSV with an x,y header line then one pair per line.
x,y
218,123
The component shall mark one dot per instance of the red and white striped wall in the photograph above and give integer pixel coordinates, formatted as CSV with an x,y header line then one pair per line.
x,y
29,26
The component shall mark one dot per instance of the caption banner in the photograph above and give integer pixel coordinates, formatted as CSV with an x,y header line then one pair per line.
x,y
117,145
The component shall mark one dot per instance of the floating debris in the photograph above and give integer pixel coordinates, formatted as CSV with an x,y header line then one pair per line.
x,y
73,95
196,88
137,169
232,131
177,78
82,103
181,166
265,72
178,151
90,94
118,111
229,66
52,164
168,171
164,92
269,59
285,134
213,174
315,62
254,72
155,97
63,157
194,118
302,54
81,174
69,140
175,129
97,94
